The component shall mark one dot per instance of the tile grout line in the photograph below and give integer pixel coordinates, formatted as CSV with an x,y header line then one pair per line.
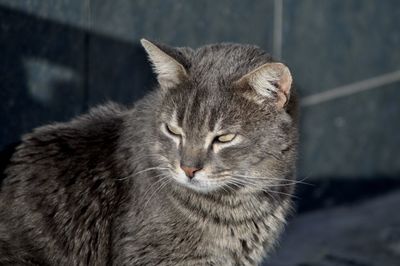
x,y
277,31
86,59
350,89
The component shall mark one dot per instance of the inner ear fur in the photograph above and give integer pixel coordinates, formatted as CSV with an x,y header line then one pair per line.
x,y
168,70
272,80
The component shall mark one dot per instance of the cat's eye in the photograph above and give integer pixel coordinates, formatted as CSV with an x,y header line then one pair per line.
x,y
225,138
172,130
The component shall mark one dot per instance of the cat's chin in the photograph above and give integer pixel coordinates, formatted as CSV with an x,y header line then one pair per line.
x,y
198,185
201,186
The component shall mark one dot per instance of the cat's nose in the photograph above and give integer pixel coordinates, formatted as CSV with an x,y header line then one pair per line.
x,y
190,171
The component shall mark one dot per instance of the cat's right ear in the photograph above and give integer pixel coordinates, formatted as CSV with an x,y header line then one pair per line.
x,y
168,70
271,80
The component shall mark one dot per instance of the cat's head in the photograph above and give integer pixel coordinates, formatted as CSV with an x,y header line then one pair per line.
x,y
223,120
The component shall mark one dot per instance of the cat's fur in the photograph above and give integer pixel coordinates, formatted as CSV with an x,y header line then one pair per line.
x,y
96,191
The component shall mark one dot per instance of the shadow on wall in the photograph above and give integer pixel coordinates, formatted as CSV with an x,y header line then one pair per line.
x,y
52,72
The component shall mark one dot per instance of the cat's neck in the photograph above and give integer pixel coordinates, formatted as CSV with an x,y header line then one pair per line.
x,y
222,207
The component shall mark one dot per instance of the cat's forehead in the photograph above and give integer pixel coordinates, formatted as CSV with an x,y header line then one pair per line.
x,y
199,110
206,110
225,62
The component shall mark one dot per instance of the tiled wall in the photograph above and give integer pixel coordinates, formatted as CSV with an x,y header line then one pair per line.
x,y
351,131
60,57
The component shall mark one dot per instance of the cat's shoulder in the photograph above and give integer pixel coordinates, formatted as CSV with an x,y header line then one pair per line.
x,y
93,132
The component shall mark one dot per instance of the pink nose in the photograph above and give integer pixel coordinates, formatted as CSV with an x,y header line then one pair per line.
x,y
189,171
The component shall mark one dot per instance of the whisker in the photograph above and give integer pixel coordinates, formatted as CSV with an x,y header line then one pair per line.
x,y
154,156
223,188
143,171
265,188
151,142
253,185
156,191
282,193
264,178
287,182
163,177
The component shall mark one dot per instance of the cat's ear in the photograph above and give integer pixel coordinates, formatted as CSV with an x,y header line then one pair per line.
x,y
169,71
272,80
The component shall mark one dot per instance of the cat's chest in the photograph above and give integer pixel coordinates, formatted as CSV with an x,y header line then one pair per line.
x,y
239,244
186,241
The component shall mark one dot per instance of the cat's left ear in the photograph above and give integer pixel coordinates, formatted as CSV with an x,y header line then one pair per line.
x,y
272,80
169,71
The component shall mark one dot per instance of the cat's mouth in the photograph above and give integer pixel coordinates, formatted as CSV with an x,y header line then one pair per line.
x,y
200,182
203,186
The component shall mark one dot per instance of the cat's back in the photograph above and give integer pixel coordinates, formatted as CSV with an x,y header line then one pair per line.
x,y
83,142
58,195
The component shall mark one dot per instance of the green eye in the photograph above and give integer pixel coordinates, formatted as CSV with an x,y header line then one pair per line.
x,y
225,138
172,130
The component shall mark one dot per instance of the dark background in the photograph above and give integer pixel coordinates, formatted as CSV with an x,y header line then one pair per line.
x,y
59,58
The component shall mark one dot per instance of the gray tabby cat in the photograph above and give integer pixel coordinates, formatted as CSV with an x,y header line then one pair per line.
x,y
199,172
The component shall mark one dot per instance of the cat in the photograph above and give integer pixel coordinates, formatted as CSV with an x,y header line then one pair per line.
x,y
198,172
